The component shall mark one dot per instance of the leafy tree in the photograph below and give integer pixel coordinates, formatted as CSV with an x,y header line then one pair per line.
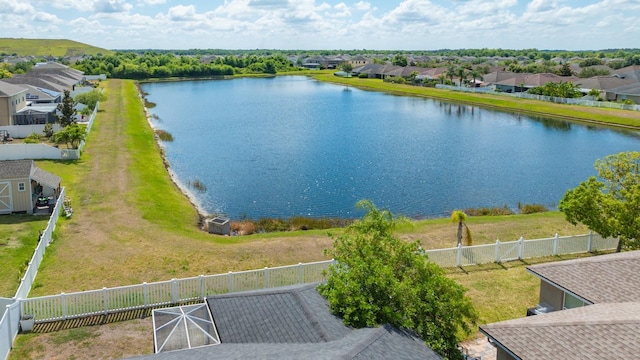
x,y
609,204
71,135
458,216
66,114
4,73
399,60
91,98
380,279
346,67
591,72
565,70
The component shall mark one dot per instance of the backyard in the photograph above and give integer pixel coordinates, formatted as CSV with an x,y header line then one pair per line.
x,y
122,233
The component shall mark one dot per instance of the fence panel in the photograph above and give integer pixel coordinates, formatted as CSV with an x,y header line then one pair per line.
x,y
537,248
9,326
443,257
508,251
45,239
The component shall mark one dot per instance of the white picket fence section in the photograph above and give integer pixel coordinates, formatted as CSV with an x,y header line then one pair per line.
x,y
149,295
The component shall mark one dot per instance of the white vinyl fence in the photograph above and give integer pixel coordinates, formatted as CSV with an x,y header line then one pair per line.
x,y
10,320
149,295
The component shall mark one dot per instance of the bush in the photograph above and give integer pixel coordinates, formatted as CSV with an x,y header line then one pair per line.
x,y
34,138
533,208
363,76
489,211
244,227
48,130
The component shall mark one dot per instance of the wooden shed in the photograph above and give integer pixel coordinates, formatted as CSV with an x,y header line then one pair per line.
x,y
23,186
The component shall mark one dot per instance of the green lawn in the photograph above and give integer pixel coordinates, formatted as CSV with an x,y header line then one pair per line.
x,y
18,239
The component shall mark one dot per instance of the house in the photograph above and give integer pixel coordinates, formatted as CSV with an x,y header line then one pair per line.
x,y
26,188
589,309
288,323
12,99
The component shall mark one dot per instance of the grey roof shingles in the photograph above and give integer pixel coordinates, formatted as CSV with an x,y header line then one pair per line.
x,y
598,279
295,323
15,169
600,331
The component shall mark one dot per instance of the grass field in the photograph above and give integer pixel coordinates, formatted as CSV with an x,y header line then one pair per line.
x,y
48,47
132,224
18,239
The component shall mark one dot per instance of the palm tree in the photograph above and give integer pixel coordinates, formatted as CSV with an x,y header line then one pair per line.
x,y
462,74
451,72
458,216
475,74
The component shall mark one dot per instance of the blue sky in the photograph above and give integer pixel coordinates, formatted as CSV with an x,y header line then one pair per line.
x,y
328,24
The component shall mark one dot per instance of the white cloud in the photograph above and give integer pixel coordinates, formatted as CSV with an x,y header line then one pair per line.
x,y
182,13
363,6
46,18
16,7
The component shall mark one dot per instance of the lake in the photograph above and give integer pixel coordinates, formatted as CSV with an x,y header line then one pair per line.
x,y
293,146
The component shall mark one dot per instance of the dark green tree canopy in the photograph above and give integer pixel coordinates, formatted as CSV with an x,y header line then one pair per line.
x,y
610,203
66,114
380,279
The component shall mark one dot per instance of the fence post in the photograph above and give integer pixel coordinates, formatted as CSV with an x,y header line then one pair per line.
x,y
498,260
266,277
300,273
230,281
174,291
105,301
555,245
65,311
459,256
145,293
7,311
520,247
203,290
590,242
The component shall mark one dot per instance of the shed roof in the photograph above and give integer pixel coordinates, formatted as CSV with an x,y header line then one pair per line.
x,y
25,169
15,169
601,331
597,279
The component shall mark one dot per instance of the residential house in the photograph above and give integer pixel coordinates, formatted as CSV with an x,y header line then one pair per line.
x,y
285,323
589,309
358,61
12,99
26,188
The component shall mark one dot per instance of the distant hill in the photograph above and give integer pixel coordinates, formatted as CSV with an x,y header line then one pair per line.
x,y
48,47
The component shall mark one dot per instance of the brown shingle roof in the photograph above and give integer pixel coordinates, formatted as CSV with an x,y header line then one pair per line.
x,y
598,279
601,331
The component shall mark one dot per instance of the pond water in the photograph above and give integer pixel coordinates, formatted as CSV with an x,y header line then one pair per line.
x,y
292,146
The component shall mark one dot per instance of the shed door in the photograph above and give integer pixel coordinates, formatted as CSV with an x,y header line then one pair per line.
x,y
6,203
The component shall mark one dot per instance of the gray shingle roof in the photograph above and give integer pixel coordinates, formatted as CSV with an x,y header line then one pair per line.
x,y
25,169
598,279
15,169
295,323
600,331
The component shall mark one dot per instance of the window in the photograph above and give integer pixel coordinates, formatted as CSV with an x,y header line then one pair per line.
x,y
21,187
571,301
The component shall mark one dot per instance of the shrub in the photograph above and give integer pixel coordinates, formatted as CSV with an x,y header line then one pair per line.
x,y
533,208
489,211
48,129
244,227
34,138
363,76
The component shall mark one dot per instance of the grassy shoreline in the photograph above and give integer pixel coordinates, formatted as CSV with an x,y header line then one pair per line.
x,y
600,116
